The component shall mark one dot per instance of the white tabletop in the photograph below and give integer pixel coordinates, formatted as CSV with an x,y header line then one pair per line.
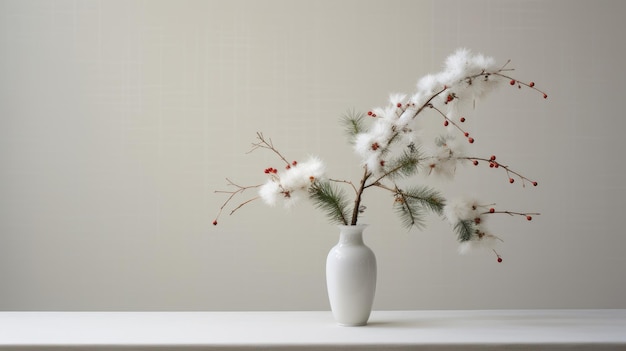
x,y
400,330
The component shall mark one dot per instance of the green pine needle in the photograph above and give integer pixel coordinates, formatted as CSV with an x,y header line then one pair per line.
x,y
331,200
353,123
406,165
465,229
427,197
411,203
410,212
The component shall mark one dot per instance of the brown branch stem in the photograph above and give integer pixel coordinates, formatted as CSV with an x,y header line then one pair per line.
x,y
346,182
266,144
359,194
497,164
233,193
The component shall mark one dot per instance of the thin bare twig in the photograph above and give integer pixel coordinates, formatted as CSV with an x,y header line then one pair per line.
x,y
233,193
266,144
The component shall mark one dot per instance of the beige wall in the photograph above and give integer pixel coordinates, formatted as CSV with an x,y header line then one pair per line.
x,y
118,120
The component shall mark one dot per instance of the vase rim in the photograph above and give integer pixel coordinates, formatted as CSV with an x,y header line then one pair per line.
x,y
356,225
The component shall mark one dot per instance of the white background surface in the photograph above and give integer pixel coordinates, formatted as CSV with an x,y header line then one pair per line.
x,y
118,120
410,330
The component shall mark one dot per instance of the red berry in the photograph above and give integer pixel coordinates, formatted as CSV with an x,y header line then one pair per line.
x,y
471,140
535,183
369,113
294,163
399,104
375,146
475,163
445,123
382,163
511,180
499,259
529,218
466,134
491,165
531,84
492,210
373,115
512,82
288,166
462,119
545,96
493,157
450,97
215,222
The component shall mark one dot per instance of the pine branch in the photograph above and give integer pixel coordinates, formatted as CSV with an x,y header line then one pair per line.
x,y
427,197
406,164
331,200
410,211
353,124
465,229
409,204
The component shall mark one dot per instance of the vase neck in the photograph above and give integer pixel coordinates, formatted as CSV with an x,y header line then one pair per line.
x,y
351,235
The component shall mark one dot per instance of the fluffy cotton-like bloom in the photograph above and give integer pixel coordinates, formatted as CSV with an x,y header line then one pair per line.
x,y
466,209
462,64
443,167
381,131
269,192
380,112
463,78
374,164
487,241
301,175
483,62
292,183
461,209
445,156
458,61
427,85
363,143
457,66
463,74
406,117
373,141
388,114
395,99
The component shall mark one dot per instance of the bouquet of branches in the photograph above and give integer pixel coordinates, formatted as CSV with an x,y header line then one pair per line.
x,y
394,144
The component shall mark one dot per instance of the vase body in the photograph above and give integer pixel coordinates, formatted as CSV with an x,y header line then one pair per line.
x,y
351,277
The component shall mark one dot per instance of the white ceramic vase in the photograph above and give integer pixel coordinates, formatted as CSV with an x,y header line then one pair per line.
x,y
351,277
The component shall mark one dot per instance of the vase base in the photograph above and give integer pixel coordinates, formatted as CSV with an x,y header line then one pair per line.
x,y
347,325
